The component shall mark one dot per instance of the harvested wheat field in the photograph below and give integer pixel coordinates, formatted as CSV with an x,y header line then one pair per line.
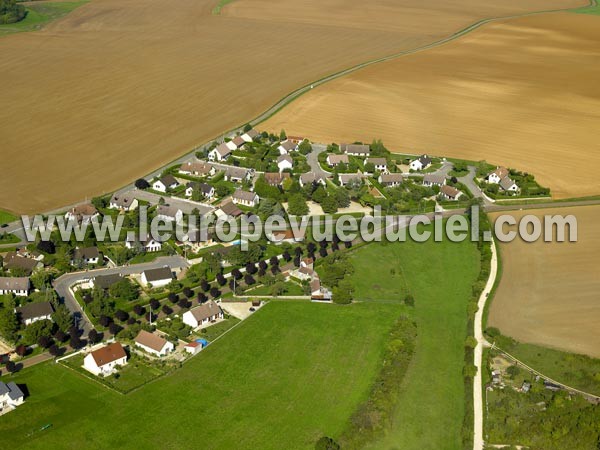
x,y
120,87
548,293
522,93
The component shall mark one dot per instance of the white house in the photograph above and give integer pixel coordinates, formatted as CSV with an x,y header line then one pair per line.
x,y
249,136
285,162
123,202
245,198
508,185
497,175
82,214
421,163
379,163
153,343
238,141
165,183
32,312
169,213
105,360
220,153
157,277
197,168
231,145
193,347
10,396
18,286
86,255
205,189
311,177
147,244
286,146
390,179
203,314
434,180
236,174
450,192
356,149
345,178
334,160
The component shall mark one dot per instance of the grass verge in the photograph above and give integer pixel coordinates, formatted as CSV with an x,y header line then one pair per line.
x,y
40,14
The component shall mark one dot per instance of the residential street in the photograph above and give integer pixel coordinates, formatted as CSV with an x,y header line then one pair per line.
x,y
313,161
63,283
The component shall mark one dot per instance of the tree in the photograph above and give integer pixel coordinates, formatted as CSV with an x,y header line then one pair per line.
x,y
21,350
36,330
327,443
249,279
409,300
323,252
277,289
221,280
9,324
139,310
11,11
44,341
304,147
329,204
342,198
286,256
342,293
282,135
154,304
121,315
104,321
41,279
214,292
167,310
11,367
114,328
250,268
470,342
183,303
263,265
188,292
297,205
75,342
141,183
125,289
202,298
47,247
247,128
94,337
62,318
173,297
54,350
236,273
60,336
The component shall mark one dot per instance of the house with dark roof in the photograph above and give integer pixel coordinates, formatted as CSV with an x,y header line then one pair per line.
x,y
245,198
105,360
421,163
390,179
165,183
12,262
276,178
287,146
86,255
220,153
157,277
345,178
32,312
236,174
18,286
311,177
334,160
203,314
206,190
228,209
123,202
431,179
197,168
82,213
356,149
11,396
106,281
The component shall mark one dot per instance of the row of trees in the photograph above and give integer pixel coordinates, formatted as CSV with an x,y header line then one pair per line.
x,y
11,11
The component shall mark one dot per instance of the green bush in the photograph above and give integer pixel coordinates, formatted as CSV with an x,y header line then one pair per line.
x,y
11,11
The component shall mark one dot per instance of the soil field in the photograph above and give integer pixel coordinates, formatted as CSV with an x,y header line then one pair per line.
x,y
120,87
548,293
522,92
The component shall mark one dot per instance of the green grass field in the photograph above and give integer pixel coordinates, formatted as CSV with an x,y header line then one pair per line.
x,y
589,10
289,374
439,276
6,217
40,14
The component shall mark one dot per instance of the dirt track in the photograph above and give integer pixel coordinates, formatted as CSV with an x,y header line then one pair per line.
x,y
523,93
120,87
548,293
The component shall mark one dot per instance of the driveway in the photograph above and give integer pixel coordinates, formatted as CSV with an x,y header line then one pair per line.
x,y
469,181
63,283
185,205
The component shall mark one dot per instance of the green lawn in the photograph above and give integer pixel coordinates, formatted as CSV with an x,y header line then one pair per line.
x,y
289,374
214,331
6,217
589,10
439,276
39,14
291,289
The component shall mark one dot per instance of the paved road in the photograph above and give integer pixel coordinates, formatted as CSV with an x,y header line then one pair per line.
x,y
313,161
187,206
63,283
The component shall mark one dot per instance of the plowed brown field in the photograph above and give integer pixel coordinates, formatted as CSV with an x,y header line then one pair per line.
x,y
548,293
522,92
120,87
